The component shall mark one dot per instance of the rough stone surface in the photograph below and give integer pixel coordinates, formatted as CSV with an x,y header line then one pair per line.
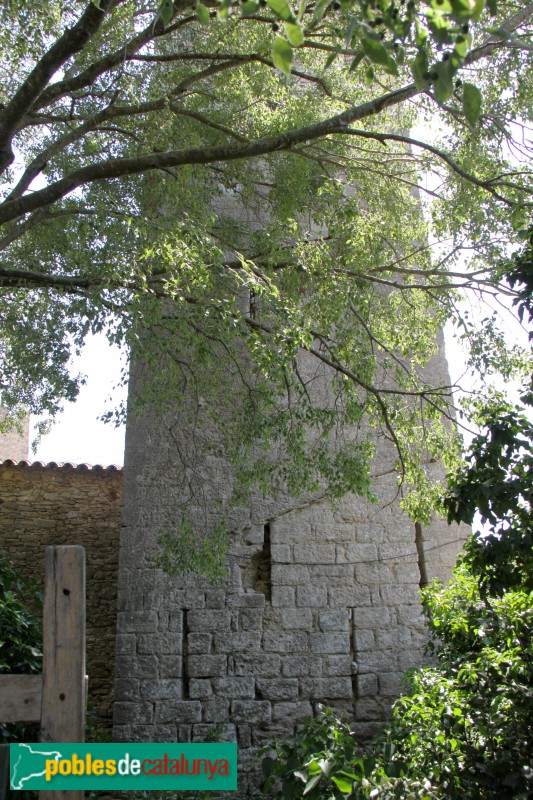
x,y
320,605
52,505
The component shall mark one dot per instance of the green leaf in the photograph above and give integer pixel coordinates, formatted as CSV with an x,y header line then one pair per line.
x,y
375,51
443,86
419,68
312,782
203,13
282,9
248,8
343,784
330,59
369,76
165,11
282,55
295,34
357,60
471,103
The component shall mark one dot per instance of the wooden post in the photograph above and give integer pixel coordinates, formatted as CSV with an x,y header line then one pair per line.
x,y
63,698
4,769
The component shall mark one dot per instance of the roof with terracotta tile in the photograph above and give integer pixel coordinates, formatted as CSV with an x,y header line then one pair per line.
x,y
63,465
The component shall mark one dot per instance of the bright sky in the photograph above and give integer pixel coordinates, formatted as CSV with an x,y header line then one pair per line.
x,y
78,435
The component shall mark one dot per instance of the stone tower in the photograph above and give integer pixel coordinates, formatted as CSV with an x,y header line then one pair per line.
x,y
320,605
15,443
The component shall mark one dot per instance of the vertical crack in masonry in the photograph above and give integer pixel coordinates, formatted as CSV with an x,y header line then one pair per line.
x,y
185,652
353,662
422,566
263,582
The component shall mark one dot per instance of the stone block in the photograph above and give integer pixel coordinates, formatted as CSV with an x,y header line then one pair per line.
x,y
334,620
206,666
175,621
406,551
234,687
126,643
209,620
281,554
355,553
368,709
311,597
130,713
200,688
290,575
400,593
183,711
127,690
199,643
184,733
313,553
372,618
406,573
215,598
292,713
171,666
251,619
207,732
159,643
244,736
390,684
263,665
283,596
140,667
216,710
325,689
289,529
246,600
366,685
294,618
364,640
162,689
377,661
278,689
297,666
373,574
137,622
286,642
338,665
243,641
349,596
329,643
254,712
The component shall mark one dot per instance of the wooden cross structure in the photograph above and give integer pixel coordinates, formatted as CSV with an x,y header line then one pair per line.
x,y
56,698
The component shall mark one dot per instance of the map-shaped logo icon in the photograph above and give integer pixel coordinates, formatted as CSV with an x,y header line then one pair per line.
x,y
28,762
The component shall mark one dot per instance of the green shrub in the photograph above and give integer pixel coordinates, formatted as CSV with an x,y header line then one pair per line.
x,y
20,646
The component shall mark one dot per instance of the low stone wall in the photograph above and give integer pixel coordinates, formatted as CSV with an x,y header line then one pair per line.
x,y
53,504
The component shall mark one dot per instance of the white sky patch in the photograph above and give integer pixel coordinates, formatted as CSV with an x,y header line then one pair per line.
x,y
78,435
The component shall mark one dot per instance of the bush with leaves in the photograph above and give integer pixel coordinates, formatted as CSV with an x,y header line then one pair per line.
x,y
463,730
20,645
20,628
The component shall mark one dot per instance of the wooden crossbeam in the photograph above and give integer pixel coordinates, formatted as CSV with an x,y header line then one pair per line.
x,y
20,698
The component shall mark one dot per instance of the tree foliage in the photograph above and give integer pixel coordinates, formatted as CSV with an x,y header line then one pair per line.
x,y
234,183
463,729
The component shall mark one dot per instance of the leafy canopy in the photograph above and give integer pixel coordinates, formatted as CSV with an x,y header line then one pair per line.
x,y
230,189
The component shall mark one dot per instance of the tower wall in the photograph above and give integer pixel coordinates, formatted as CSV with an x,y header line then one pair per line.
x,y
320,605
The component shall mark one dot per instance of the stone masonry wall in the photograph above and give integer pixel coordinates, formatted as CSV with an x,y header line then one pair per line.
x,y
321,603
55,504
